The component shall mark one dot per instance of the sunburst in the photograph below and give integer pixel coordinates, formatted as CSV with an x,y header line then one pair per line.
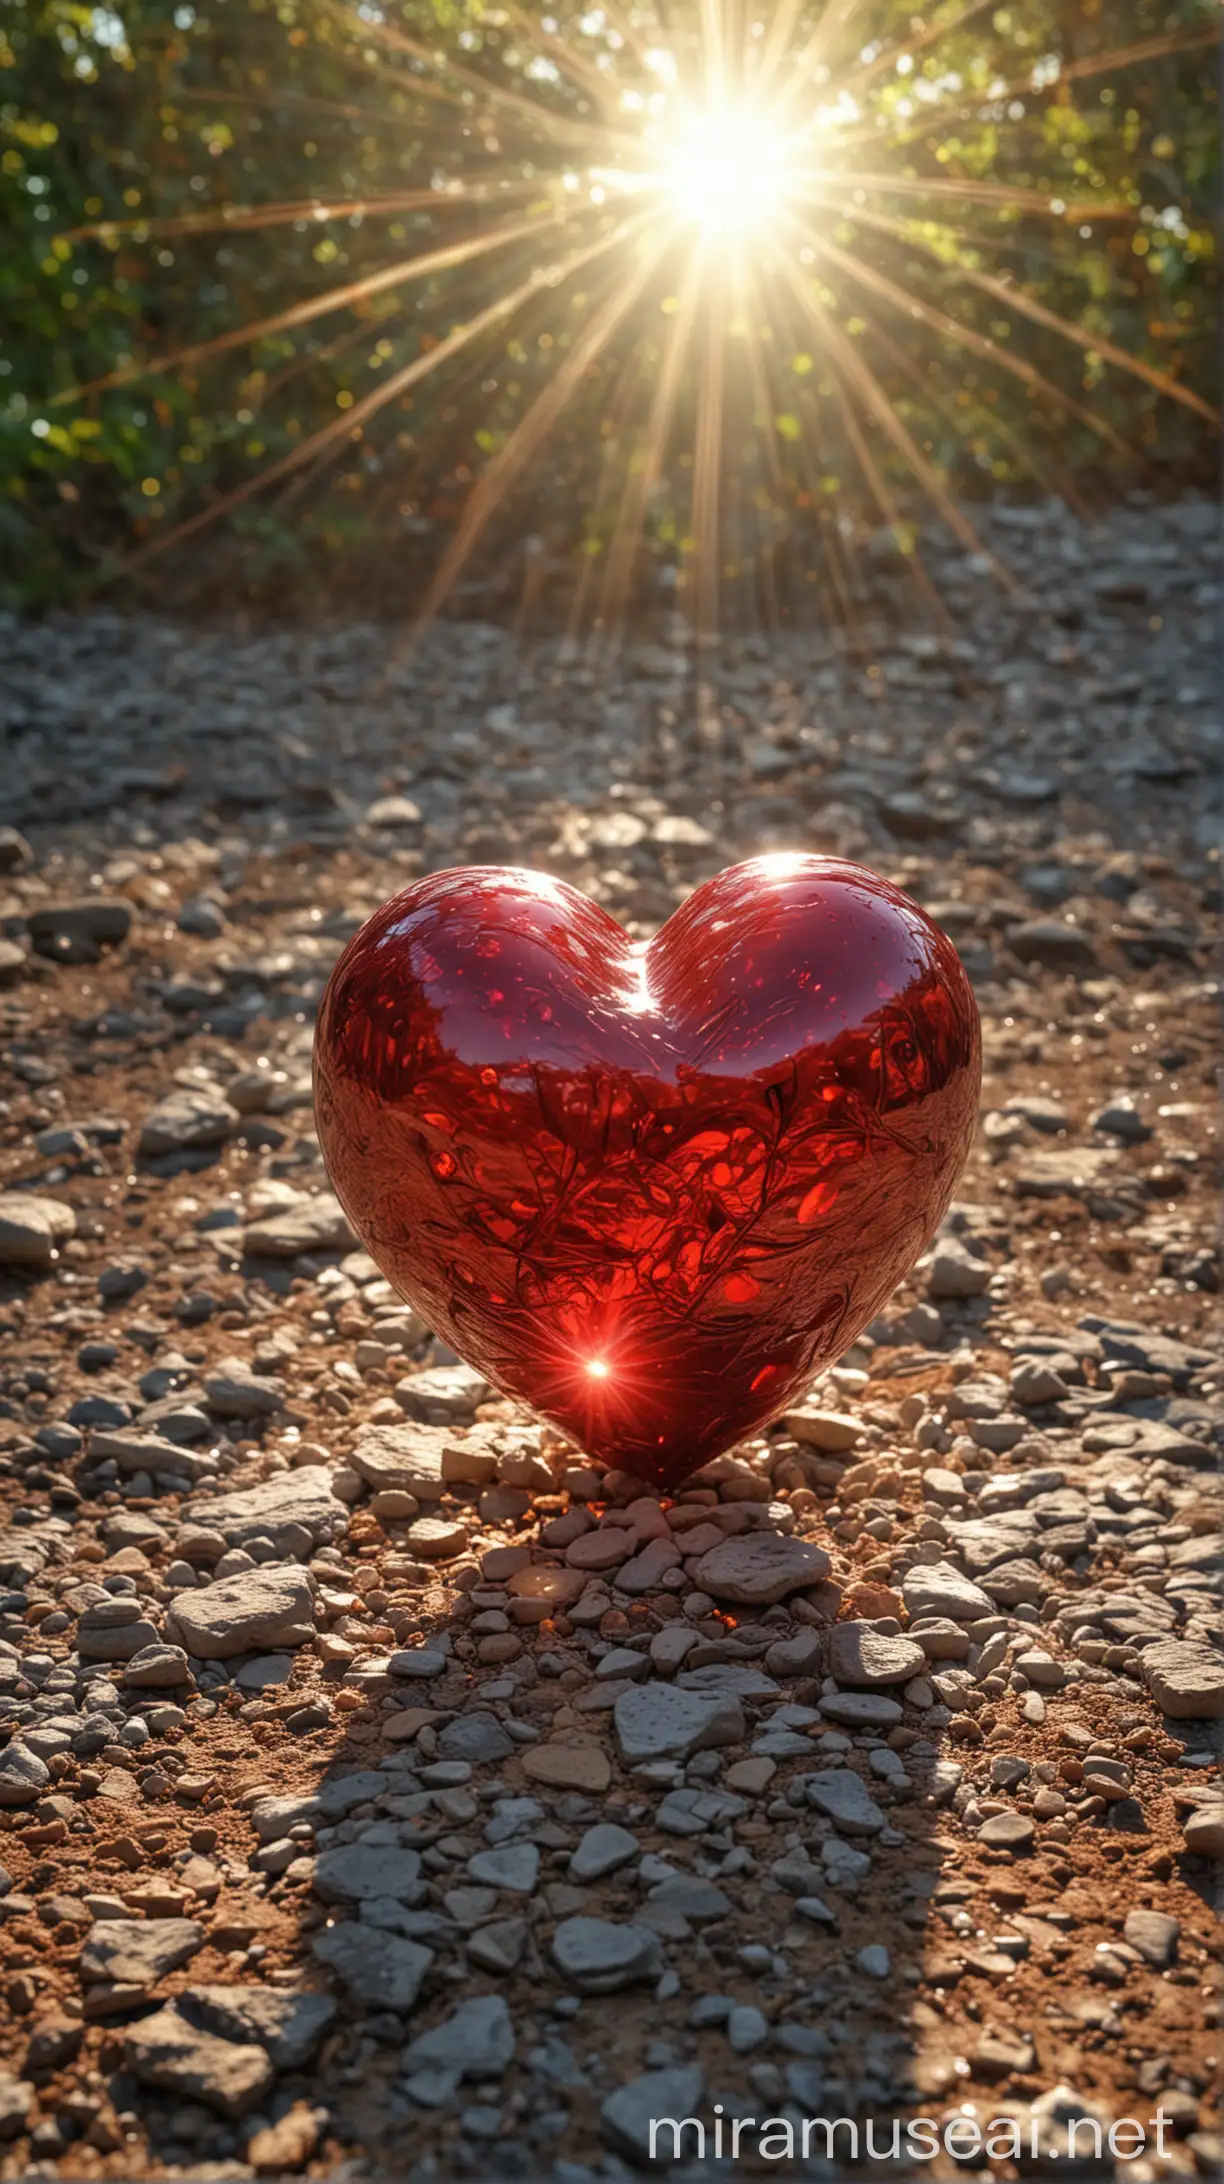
x,y
723,256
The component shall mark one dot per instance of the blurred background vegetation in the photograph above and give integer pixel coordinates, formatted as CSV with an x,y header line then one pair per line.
x,y
119,118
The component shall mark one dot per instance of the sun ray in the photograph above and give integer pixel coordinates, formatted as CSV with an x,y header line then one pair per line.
x,y
1145,49
353,420
623,24
565,128
846,180
713,53
778,38
1092,64
961,421
801,67
927,35
641,482
707,463
534,428
1017,299
576,66
617,433
753,306
1011,294
316,211
880,491
853,370
702,150
333,299
196,94
965,336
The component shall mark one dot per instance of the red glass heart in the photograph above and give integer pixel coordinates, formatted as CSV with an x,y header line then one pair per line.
x,y
648,1190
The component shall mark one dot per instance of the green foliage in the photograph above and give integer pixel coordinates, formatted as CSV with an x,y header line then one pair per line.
x,y
135,120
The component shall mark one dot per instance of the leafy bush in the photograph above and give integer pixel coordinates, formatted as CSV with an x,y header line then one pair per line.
x,y
132,137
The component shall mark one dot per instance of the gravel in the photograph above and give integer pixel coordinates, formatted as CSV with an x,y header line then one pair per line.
x,y
377,1772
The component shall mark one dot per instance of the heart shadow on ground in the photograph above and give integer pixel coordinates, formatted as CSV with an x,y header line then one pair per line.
x,y
629,1826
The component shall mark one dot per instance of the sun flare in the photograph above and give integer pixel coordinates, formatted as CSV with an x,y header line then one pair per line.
x,y
728,173
724,297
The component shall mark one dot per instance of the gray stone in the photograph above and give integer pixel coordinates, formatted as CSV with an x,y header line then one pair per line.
x,y
1055,945
758,1568
601,1957
477,1737
186,1120
32,1230
314,1224
513,1866
350,1872
661,1721
955,1272
842,1797
23,1777
247,1613
802,1655
475,2041
940,1589
99,920
1038,1109
168,2051
1033,1382
630,2116
730,1677
379,1969
233,1390
1203,1831
273,1816
302,1497
747,2027
603,1849
1012,1831
202,917
1010,1583
265,1673
410,1458
135,1449
17,2098
1077,1172
139,1952
419,1664
1154,1935
795,1873
645,1571
871,1660
689,1898
157,1668
862,1709
1185,1679
499,1946
844,1866
287,2023
442,1395
1120,1118
513,1817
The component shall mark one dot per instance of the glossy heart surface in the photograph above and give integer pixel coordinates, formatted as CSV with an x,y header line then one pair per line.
x,y
649,1190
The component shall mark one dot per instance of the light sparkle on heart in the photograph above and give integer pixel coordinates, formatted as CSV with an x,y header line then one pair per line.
x,y
649,1191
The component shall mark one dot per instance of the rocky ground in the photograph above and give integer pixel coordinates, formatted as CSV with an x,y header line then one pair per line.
x,y
387,1791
